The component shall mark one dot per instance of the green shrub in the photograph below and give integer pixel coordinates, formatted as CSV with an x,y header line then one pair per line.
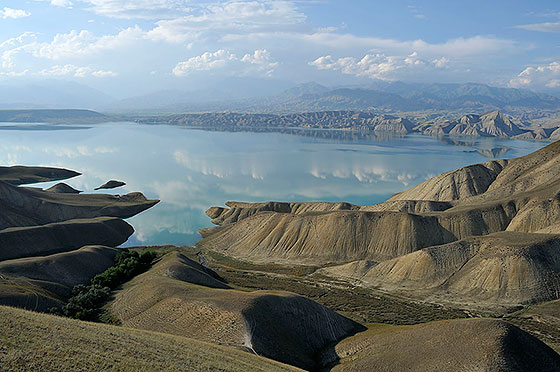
x,y
87,300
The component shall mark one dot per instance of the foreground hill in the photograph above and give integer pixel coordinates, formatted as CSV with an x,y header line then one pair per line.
x,y
451,346
476,234
40,342
180,297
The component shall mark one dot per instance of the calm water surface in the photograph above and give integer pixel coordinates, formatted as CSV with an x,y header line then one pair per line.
x,y
190,170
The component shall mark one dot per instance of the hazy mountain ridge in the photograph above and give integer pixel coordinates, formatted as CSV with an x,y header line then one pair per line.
x,y
386,97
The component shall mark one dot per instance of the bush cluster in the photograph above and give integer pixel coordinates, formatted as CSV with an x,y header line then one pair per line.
x,y
87,300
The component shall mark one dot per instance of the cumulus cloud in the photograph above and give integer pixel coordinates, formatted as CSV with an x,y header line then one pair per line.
x,y
413,59
259,60
80,43
76,71
13,13
546,76
374,66
441,62
380,66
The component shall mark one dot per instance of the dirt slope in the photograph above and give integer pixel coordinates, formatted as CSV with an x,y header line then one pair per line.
x,y
503,268
339,236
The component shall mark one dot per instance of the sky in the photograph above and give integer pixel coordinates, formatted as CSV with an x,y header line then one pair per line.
x,y
130,47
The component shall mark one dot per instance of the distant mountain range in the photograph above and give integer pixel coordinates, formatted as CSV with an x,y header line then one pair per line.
x,y
426,101
51,94
381,97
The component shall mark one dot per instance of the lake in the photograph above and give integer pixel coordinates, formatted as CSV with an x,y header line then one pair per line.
x,y
190,170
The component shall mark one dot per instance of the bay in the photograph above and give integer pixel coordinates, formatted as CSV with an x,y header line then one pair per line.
x,y
191,169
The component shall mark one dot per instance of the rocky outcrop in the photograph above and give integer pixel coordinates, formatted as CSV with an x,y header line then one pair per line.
x,y
63,188
31,207
492,124
35,222
112,184
17,242
20,175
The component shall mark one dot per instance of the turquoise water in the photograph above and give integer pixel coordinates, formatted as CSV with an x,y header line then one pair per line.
x,y
190,170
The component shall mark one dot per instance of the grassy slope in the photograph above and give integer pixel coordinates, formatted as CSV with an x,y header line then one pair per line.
x,y
40,342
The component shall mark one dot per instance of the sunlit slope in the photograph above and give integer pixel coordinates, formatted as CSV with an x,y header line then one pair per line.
x,y
40,342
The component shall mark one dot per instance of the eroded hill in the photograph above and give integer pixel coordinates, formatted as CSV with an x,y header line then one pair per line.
x,y
476,234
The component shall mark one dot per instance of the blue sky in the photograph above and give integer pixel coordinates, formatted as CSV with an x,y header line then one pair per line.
x,y
126,47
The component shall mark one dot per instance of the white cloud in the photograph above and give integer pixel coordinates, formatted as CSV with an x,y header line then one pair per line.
x,y
128,9
103,73
13,13
259,60
76,71
416,12
185,14
441,62
413,59
541,27
461,47
7,58
18,40
206,61
60,3
538,77
14,73
376,66
235,17
80,43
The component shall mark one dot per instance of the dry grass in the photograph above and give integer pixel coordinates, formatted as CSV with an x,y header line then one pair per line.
x,y
38,342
